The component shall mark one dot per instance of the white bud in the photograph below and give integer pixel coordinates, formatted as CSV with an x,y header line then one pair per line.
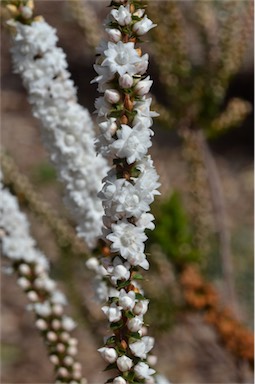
x,y
139,12
68,324
77,366
68,360
143,371
121,272
24,269
26,12
113,312
77,375
61,347
56,324
57,309
126,81
41,324
108,354
124,363
52,336
39,269
32,295
143,26
135,324
63,372
65,336
122,15
127,300
73,342
54,359
92,263
49,285
144,331
141,307
152,360
143,87
112,96
72,351
23,283
114,35
119,380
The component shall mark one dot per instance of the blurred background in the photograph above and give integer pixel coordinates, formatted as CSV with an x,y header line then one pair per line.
x,y
201,253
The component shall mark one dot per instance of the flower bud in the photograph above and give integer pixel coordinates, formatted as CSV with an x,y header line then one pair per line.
x,y
24,269
26,12
72,351
92,263
135,324
61,348
23,282
114,35
126,81
32,295
68,360
41,324
124,363
54,359
152,360
143,371
112,96
143,26
64,336
121,272
57,309
141,307
108,354
122,15
63,372
52,336
119,380
68,324
143,87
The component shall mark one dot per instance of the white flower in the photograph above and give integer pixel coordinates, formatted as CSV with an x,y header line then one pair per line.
x,y
144,114
143,371
141,307
119,380
122,58
143,86
141,347
124,363
143,26
132,143
127,239
145,221
102,106
108,354
104,76
127,300
122,15
135,324
112,96
126,81
26,12
138,258
113,312
113,34
108,128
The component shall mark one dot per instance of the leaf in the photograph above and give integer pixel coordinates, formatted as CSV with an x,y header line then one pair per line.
x,y
115,326
129,315
137,276
139,296
110,340
135,335
123,284
110,366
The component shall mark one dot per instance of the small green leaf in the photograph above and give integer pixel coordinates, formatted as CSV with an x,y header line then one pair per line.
x,y
117,325
110,340
137,276
129,315
111,366
123,284
139,296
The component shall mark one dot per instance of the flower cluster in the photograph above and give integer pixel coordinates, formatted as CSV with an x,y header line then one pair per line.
x,y
46,301
68,129
129,188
